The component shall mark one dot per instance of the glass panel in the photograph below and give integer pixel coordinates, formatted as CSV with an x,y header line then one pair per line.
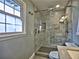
x,y
2,1
2,28
2,18
17,13
18,21
1,6
10,28
18,28
9,3
10,19
8,9
17,7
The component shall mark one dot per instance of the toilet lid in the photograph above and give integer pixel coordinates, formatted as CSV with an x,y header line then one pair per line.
x,y
53,54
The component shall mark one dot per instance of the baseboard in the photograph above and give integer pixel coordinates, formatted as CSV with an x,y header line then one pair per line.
x,y
32,57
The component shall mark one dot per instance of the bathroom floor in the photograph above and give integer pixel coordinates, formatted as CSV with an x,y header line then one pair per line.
x,y
43,52
47,49
39,57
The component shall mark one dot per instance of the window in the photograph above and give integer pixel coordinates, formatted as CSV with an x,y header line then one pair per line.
x,y
10,18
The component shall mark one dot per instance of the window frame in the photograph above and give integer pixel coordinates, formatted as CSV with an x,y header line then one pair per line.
x,y
22,4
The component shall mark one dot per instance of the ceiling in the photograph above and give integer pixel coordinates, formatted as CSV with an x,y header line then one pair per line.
x,y
45,4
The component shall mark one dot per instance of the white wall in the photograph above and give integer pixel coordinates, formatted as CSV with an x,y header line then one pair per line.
x,y
16,48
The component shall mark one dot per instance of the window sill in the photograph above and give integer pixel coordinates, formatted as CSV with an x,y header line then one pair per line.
x,y
11,36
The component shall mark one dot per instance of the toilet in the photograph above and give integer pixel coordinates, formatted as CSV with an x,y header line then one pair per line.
x,y
53,55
